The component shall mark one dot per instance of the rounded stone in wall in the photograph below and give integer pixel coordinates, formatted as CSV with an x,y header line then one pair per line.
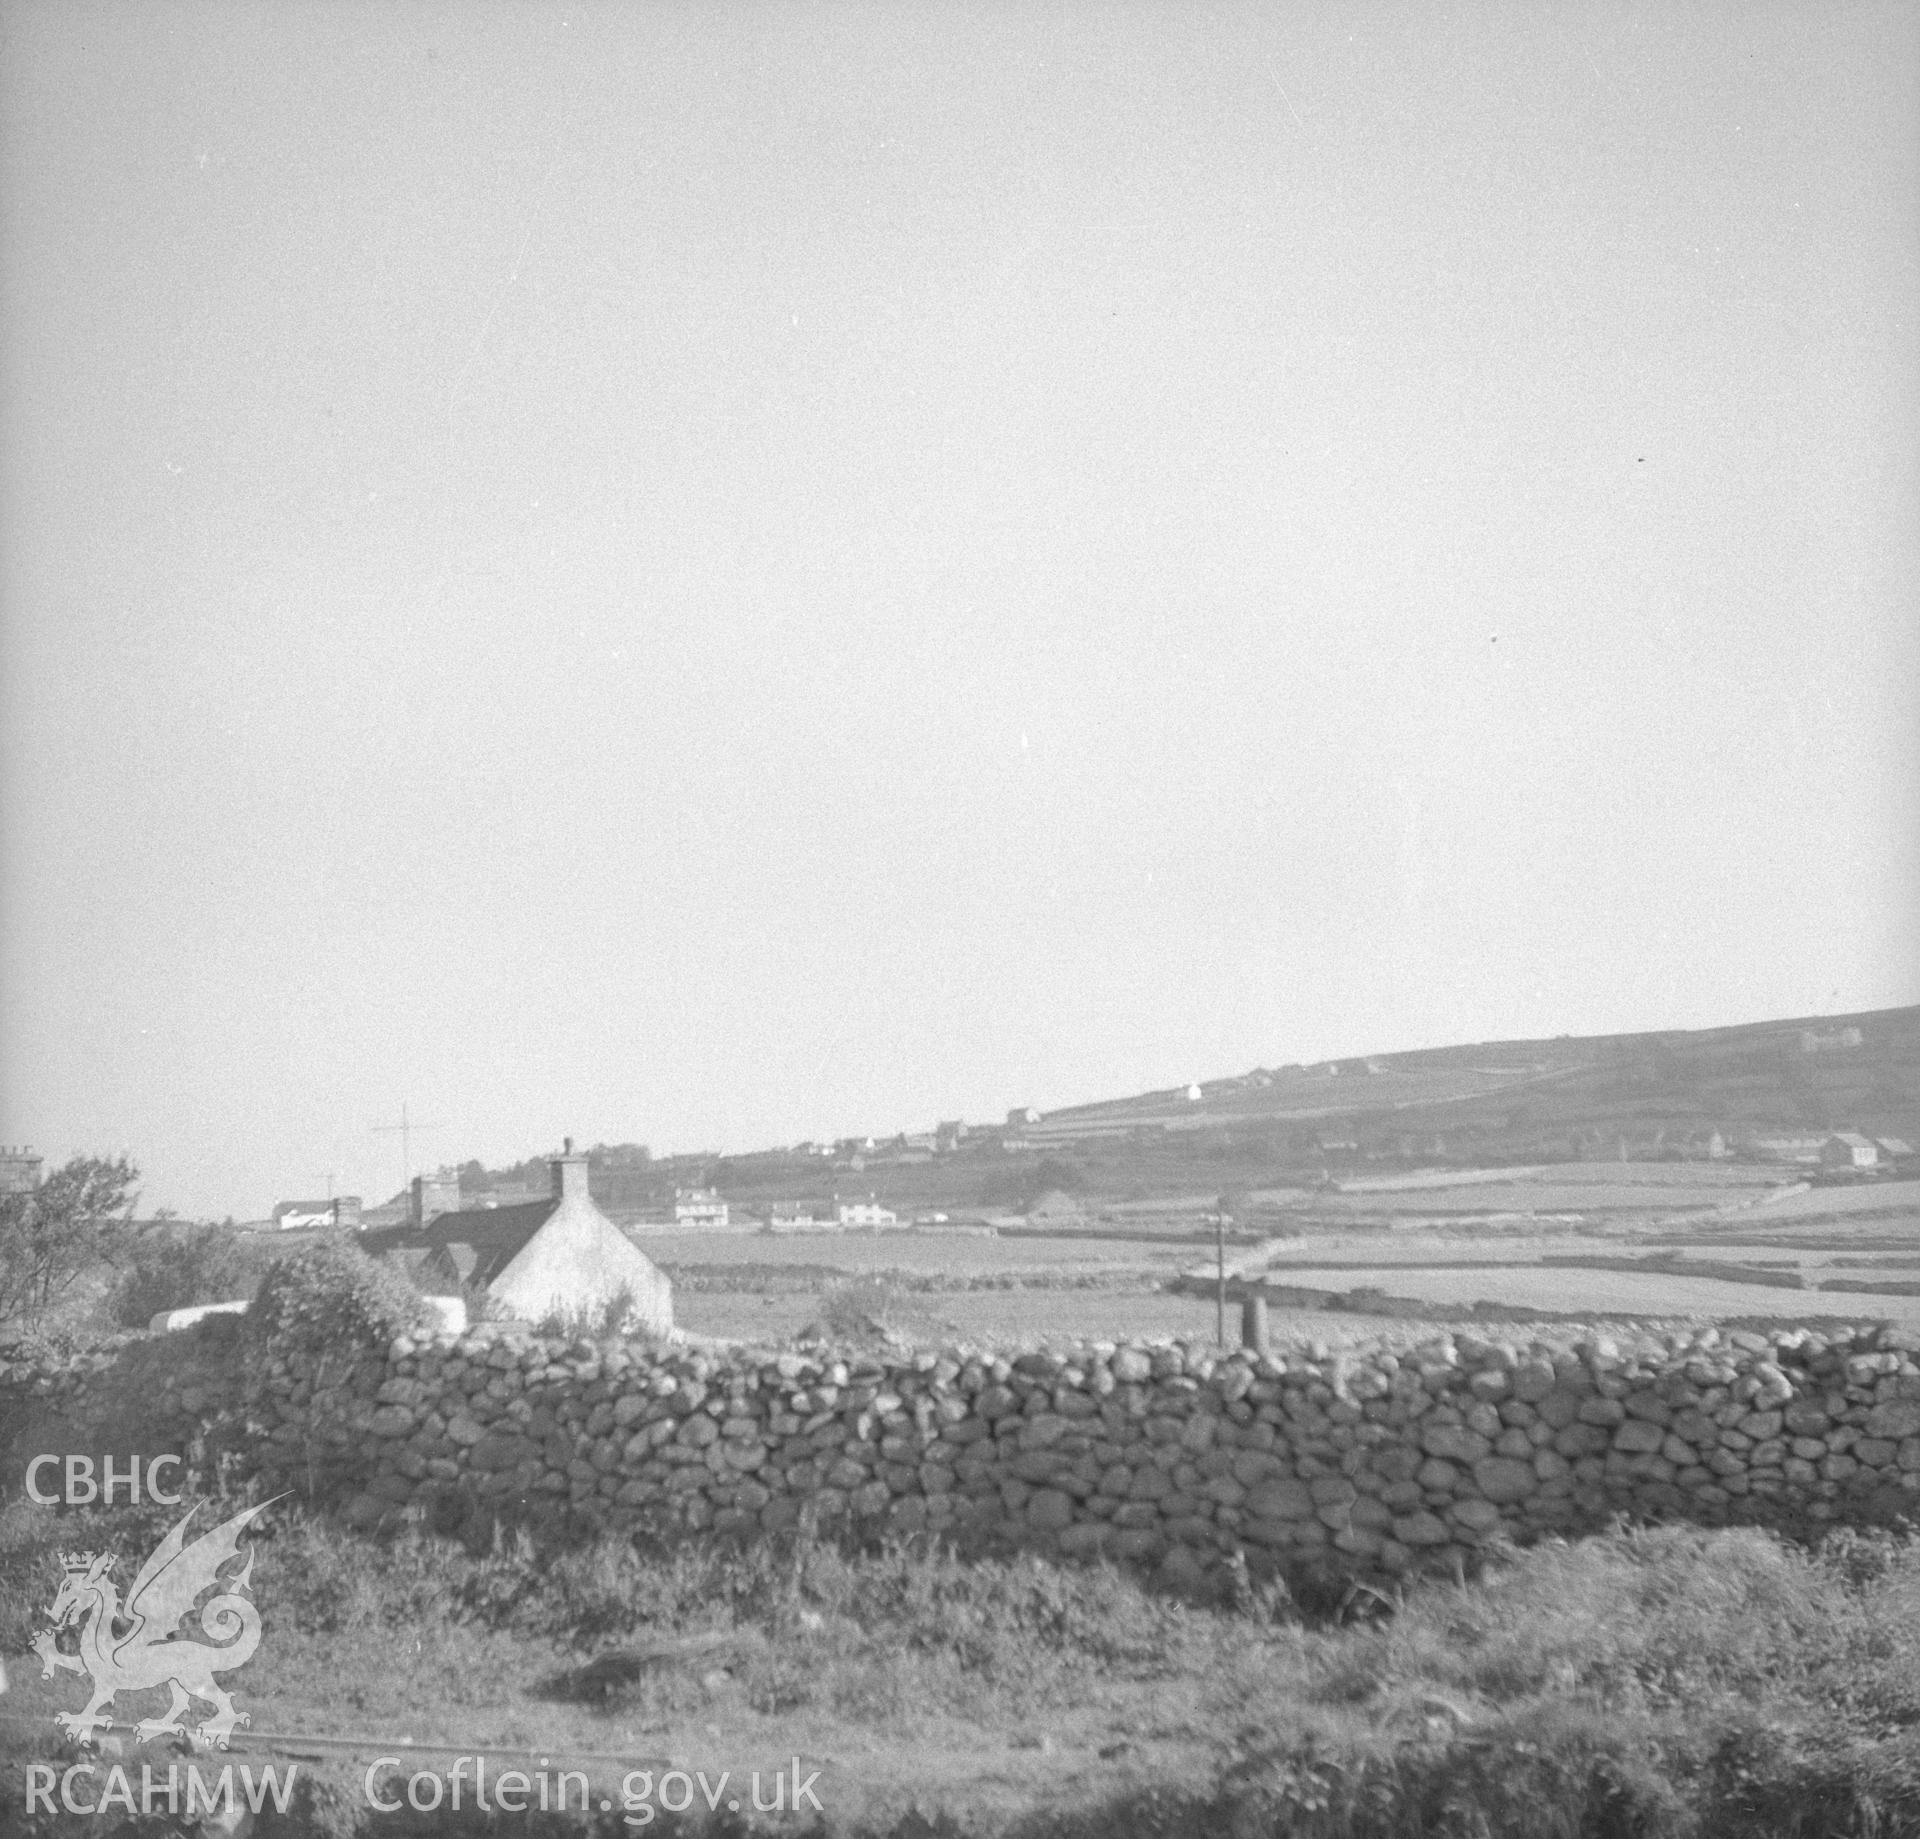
x,y
1085,1540
1479,1517
1505,1478
1136,1543
1279,1500
1895,1421
1454,1443
1049,1509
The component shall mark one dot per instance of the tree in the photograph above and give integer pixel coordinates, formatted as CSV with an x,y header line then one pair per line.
x,y
52,1235
174,1267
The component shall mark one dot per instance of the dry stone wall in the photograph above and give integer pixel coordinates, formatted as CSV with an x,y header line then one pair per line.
x,y
1372,1460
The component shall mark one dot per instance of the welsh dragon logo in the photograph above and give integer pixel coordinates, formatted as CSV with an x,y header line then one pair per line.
x,y
150,1640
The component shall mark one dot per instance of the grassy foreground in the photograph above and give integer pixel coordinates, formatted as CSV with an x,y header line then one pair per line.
x,y
1657,1682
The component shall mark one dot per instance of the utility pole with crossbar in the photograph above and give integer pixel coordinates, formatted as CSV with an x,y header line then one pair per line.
x,y
405,1130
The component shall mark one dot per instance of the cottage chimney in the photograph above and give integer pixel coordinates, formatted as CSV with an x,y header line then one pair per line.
x,y
429,1196
569,1174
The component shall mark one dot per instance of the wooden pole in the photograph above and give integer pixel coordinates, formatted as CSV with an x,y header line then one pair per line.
x,y
1253,1323
1220,1279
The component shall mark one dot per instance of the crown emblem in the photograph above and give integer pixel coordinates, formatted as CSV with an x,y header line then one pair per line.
x,y
78,1562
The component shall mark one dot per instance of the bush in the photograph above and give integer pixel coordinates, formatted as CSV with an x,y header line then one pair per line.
x,y
605,1320
859,1309
174,1267
331,1299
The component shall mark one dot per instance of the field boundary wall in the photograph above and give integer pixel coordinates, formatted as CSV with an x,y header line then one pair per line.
x,y
1370,1460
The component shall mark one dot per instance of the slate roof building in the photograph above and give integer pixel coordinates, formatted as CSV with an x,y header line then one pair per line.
x,y
1849,1149
561,1254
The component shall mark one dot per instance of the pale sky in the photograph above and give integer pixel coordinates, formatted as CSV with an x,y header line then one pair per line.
x,y
713,574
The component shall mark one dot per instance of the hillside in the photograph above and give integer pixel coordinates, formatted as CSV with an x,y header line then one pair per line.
x,y
1553,1098
1644,1097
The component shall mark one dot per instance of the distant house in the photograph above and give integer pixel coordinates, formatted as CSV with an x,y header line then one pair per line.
x,y
1054,1204
1849,1149
294,1215
949,1135
1022,1115
867,1213
1895,1149
697,1207
19,1170
560,1255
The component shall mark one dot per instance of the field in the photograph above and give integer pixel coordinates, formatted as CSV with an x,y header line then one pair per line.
x,y
1692,1177
925,1251
1576,1292
1608,1240
1647,1242
936,1289
1010,1320
1668,1683
1622,1194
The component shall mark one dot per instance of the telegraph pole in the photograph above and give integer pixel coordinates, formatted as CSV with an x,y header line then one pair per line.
x,y
405,1131
1220,1277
